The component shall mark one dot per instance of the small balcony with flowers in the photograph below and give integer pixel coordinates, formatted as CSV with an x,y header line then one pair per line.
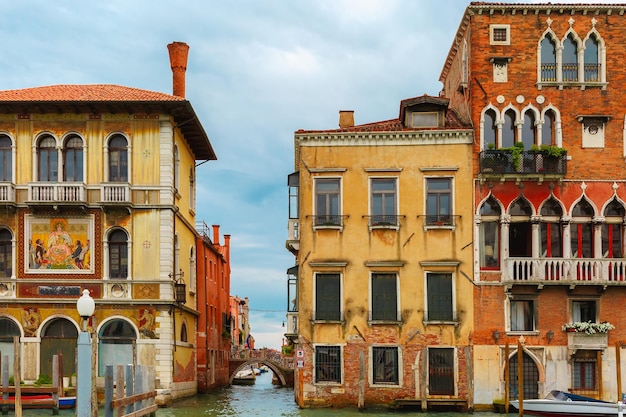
x,y
587,335
516,164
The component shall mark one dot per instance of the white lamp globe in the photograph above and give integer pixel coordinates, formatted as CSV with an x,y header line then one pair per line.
x,y
85,305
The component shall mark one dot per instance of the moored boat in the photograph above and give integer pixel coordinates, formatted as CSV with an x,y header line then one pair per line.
x,y
561,403
244,377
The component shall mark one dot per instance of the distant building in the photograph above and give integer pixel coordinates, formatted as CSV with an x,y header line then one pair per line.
x,y
240,325
97,192
380,304
213,297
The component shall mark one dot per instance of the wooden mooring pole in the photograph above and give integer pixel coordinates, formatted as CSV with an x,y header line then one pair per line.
x,y
16,376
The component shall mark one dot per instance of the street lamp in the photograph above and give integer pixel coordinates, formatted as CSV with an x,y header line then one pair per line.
x,y
86,307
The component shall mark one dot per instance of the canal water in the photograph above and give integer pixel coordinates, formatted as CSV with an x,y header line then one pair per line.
x,y
266,400
259,400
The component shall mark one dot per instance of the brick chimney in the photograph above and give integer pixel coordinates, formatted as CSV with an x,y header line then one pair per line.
x,y
216,234
178,61
346,118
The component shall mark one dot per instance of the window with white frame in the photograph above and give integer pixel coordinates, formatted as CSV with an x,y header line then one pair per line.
x,y
73,159
439,201
385,365
384,202
118,254
47,159
327,297
6,159
572,60
6,253
613,232
439,297
499,34
584,311
327,202
328,364
118,159
522,315
489,234
384,297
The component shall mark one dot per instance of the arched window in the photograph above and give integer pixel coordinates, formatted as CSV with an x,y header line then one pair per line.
x,y
8,329
116,340
570,59
550,230
6,159
509,129
548,136
490,130
520,230
59,335
118,255
6,254
183,332
613,231
176,168
529,130
48,160
548,60
73,159
592,59
581,230
490,234
118,159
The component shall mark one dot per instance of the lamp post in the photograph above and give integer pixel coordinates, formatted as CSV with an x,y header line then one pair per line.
x,y
86,307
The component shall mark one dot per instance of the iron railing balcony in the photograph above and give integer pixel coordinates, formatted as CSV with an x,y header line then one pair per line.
x,y
389,316
327,315
501,162
381,221
328,220
565,271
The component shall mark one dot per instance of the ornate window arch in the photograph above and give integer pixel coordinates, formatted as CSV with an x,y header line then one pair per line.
x,y
73,158
117,155
6,160
489,122
47,157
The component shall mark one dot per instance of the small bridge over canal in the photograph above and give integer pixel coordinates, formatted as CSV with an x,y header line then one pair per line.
x,y
280,365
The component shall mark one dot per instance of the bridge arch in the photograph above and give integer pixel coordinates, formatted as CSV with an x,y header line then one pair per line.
x,y
279,371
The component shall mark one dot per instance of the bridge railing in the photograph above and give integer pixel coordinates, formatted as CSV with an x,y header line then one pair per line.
x,y
286,362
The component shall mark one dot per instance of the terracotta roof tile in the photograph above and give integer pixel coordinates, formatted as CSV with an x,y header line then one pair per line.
x,y
77,93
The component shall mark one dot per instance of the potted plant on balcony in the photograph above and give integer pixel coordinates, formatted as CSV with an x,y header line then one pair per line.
x,y
550,157
588,327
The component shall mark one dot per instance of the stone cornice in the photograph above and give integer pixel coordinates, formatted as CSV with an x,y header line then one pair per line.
x,y
422,137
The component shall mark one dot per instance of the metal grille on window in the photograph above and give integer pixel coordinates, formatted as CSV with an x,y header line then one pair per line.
x,y
327,364
385,365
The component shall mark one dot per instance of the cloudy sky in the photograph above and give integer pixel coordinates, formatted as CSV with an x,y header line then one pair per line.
x,y
258,71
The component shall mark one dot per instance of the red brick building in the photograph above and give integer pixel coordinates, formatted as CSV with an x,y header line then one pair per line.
x,y
214,322
535,81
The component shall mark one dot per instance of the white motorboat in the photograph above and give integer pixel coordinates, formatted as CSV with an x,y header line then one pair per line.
x,y
561,403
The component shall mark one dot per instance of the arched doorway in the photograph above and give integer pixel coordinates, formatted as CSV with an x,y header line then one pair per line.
x,y
8,329
58,336
531,377
116,344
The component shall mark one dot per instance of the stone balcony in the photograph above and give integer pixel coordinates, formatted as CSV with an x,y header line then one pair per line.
x,y
564,271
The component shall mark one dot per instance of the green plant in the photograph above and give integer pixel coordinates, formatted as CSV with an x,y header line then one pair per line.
x,y
43,380
491,146
516,152
11,380
552,151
